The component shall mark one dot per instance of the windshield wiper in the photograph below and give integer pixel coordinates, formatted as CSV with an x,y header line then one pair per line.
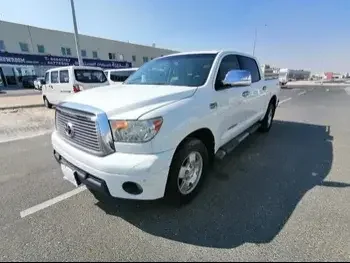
x,y
157,83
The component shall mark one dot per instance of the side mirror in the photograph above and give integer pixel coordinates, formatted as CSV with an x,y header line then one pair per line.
x,y
237,78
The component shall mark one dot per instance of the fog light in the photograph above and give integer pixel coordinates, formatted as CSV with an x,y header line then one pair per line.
x,y
132,188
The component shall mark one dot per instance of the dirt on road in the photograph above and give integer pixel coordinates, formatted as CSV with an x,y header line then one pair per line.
x,y
17,123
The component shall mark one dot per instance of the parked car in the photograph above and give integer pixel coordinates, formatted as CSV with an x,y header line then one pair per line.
x,y
115,76
60,83
157,134
28,81
38,83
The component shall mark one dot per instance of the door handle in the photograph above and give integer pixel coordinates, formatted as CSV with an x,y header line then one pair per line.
x,y
213,105
264,88
245,93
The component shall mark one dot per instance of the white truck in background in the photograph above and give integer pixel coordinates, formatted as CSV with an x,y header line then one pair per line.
x,y
61,82
156,135
283,77
116,76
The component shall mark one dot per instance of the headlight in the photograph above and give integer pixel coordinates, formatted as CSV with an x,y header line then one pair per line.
x,y
139,131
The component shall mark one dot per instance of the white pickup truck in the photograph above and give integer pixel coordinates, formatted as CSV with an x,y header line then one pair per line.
x,y
156,134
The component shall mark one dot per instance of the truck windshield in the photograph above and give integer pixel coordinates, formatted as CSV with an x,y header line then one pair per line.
x,y
182,70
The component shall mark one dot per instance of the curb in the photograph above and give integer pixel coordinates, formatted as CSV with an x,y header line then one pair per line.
x,y
21,107
318,86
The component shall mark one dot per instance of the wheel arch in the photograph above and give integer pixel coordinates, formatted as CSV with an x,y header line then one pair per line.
x,y
206,136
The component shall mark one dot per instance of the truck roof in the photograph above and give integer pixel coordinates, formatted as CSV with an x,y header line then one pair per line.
x,y
211,52
122,69
74,67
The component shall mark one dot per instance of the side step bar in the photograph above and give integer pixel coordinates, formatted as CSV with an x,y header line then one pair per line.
x,y
231,145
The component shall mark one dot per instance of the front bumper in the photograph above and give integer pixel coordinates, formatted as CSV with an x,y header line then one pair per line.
x,y
110,174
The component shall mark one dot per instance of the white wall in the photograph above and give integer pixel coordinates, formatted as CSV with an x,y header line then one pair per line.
x,y
53,40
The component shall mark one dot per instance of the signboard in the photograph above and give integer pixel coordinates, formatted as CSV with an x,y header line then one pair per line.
x,y
42,60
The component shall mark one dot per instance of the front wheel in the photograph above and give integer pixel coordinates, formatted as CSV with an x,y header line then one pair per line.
x,y
187,172
47,103
266,123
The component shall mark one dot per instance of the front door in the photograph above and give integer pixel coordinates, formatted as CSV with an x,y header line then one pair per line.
x,y
54,87
229,102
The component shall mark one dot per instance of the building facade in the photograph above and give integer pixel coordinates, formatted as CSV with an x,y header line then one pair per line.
x,y
27,50
269,72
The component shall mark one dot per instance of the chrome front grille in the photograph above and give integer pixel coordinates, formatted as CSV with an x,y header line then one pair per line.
x,y
86,130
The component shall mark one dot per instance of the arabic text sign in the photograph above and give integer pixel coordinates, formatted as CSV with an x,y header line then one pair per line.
x,y
42,60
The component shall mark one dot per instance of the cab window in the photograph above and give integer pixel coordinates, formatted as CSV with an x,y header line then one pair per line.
x,y
250,65
64,76
54,77
230,62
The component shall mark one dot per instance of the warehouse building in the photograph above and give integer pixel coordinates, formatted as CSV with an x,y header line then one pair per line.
x,y
29,51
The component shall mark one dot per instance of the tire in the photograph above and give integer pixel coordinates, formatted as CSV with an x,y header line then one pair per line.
x,y
47,103
195,150
266,123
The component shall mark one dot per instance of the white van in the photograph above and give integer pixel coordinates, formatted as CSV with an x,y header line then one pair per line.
x,y
62,82
119,75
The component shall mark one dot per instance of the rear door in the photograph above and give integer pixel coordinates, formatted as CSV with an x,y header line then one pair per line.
x,y
46,89
254,95
227,102
65,87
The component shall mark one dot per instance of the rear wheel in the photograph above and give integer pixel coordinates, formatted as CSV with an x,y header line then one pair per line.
x,y
266,123
187,172
47,103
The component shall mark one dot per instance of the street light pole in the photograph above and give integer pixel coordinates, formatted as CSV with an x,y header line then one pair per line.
x,y
255,37
76,35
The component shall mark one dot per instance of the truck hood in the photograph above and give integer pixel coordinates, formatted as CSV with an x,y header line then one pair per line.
x,y
131,101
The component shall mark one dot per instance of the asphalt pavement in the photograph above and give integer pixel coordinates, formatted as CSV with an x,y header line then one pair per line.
x,y
281,196
14,92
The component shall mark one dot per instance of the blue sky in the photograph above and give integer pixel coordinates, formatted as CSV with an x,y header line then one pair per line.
x,y
309,34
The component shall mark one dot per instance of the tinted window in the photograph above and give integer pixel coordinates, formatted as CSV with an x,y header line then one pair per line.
x,y
66,51
83,53
90,76
24,47
64,76
41,49
250,65
228,63
47,77
94,54
2,45
111,55
120,76
180,70
63,51
54,77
